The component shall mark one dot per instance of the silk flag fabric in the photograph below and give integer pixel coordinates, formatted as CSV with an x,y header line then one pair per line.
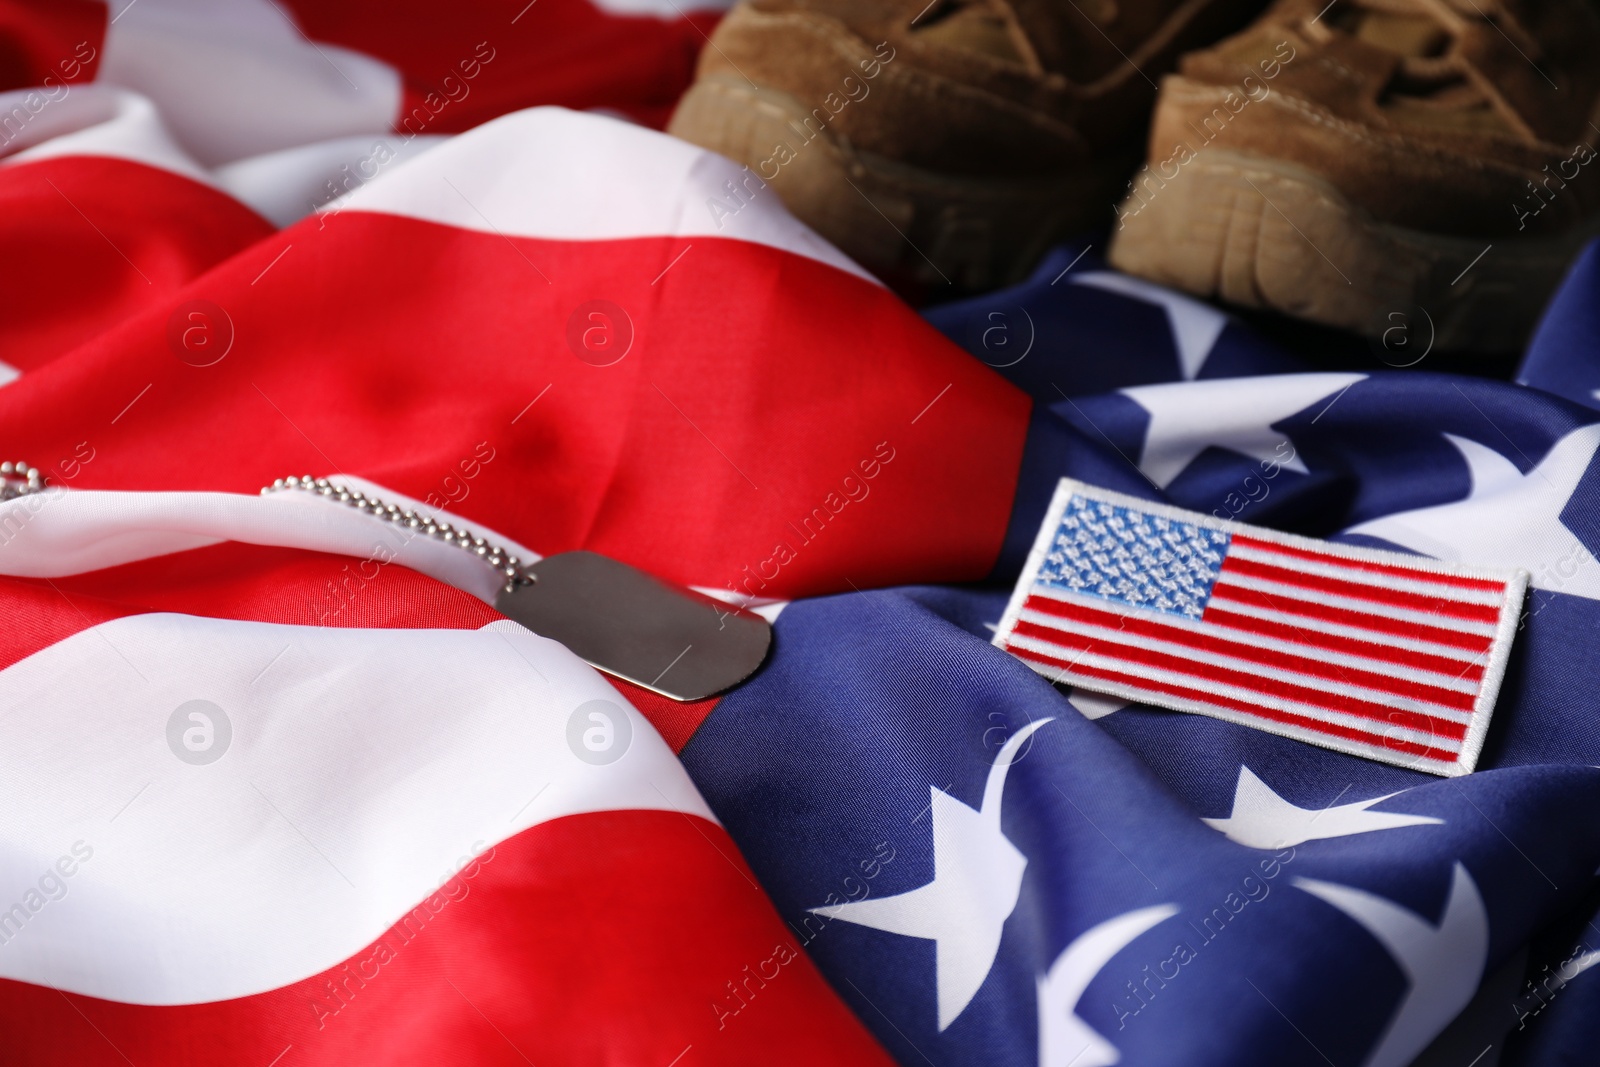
x,y
280,787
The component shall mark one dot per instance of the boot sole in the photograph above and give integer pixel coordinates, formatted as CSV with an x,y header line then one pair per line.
x,y
905,224
1267,234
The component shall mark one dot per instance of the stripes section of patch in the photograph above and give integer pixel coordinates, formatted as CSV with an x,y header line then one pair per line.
x,y
1391,657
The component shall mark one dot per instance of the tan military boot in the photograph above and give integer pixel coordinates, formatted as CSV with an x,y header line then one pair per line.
x,y
1372,163
950,141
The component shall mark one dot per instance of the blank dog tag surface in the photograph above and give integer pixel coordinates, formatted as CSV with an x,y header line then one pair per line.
x,y
632,624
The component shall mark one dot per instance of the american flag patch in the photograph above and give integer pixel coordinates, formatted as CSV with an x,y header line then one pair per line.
x,y
1392,657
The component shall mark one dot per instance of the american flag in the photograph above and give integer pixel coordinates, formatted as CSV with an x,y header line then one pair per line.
x,y
274,795
1367,652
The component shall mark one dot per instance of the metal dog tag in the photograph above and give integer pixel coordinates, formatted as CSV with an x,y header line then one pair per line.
x,y
626,622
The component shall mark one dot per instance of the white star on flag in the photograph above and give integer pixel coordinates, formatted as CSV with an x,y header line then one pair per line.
x,y
1095,705
1195,325
1442,963
977,876
1237,414
1508,519
1065,1040
1262,819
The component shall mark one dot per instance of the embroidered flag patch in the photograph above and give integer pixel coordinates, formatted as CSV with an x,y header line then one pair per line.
x,y
1392,657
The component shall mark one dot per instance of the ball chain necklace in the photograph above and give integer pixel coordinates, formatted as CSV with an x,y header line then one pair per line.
x,y
616,617
499,559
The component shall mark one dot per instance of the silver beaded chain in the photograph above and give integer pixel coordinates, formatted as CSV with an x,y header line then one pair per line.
x,y
19,479
496,557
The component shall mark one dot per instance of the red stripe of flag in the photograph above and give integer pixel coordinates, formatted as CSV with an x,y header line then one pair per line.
x,y
1354,646
1393,744
1346,617
1284,690
1206,642
1396,570
1358,590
